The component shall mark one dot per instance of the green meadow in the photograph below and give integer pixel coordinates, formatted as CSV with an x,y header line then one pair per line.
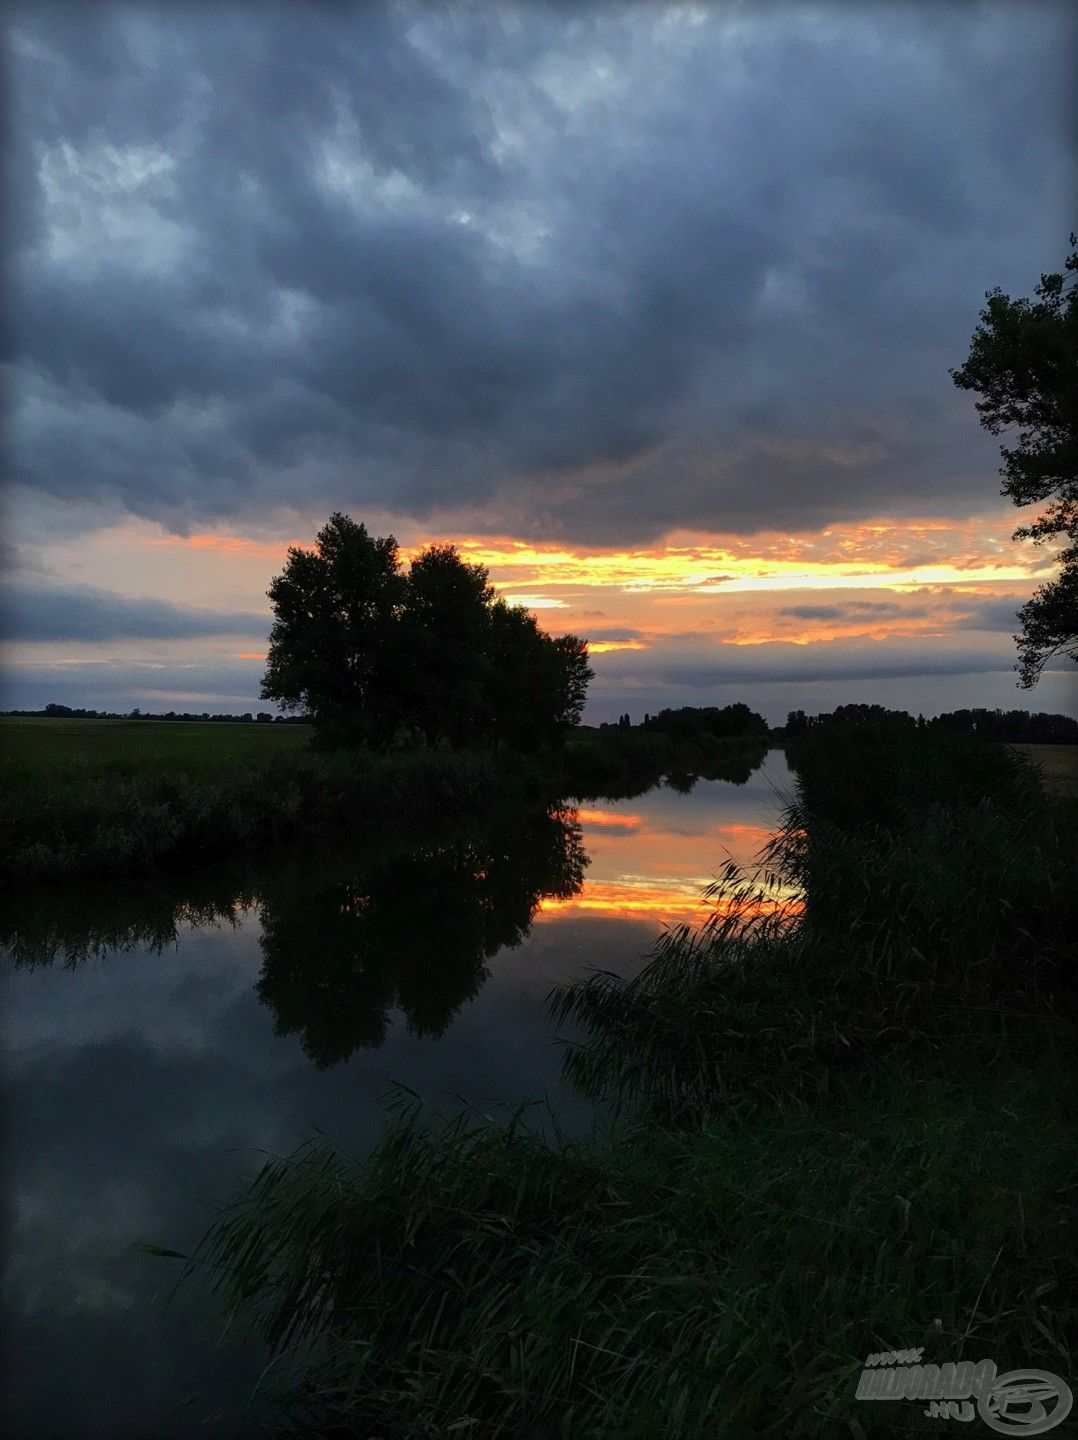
x,y
36,744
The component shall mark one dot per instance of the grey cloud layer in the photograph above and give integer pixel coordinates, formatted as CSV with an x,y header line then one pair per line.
x,y
603,272
40,612
978,614
701,669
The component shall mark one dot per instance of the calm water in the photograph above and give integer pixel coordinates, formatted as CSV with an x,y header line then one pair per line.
x,y
157,1040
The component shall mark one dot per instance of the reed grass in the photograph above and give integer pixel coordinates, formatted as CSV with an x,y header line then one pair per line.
x,y
98,798
839,1124
71,821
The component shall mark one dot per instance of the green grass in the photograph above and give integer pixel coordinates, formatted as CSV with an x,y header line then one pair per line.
x,y
101,816
46,744
717,1282
86,799
836,1130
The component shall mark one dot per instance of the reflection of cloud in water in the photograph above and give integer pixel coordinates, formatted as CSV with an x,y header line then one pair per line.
x,y
144,1078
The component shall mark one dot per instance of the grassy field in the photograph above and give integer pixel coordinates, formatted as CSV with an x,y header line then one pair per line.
x,y
1057,763
86,799
838,1131
184,744
92,799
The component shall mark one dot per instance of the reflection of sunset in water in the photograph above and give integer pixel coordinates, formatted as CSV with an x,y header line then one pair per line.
x,y
652,857
630,898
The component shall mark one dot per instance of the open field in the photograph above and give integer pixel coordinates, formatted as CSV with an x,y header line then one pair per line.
x,y
1058,763
187,744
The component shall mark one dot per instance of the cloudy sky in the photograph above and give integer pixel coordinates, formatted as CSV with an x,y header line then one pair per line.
x,y
650,309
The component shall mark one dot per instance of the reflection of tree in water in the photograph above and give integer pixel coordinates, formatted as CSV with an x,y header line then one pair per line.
x,y
395,922
79,922
391,921
734,769
737,769
411,928
643,773
682,784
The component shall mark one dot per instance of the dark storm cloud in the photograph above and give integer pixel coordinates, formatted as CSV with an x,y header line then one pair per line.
x,y
603,272
814,612
993,615
48,612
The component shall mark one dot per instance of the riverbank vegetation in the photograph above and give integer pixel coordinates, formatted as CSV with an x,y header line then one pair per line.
x,y
836,1124
1013,727
86,799
148,809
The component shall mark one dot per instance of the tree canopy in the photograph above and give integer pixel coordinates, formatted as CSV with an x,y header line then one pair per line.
x,y
372,652
693,720
1023,362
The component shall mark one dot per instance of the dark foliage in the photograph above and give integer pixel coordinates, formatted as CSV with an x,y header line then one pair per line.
x,y
1023,362
1012,727
846,1130
375,655
693,721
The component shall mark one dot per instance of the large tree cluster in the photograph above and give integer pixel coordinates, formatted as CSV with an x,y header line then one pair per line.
x,y
373,652
1023,362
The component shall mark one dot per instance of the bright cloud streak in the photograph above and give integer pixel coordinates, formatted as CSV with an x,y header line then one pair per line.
x,y
609,819
537,602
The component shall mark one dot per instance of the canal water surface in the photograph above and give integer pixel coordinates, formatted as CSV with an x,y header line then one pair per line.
x,y
160,1040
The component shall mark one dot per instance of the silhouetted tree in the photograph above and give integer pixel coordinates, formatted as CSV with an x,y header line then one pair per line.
x,y
442,647
369,652
337,609
1023,362
537,683
1009,727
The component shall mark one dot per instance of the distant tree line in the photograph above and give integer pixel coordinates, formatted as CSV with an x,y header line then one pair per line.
x,y
69,712
1010,726
692,722
376,655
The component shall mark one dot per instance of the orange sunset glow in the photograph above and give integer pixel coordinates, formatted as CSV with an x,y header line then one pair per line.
x,y
722,601
880,582
662,904
643,869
